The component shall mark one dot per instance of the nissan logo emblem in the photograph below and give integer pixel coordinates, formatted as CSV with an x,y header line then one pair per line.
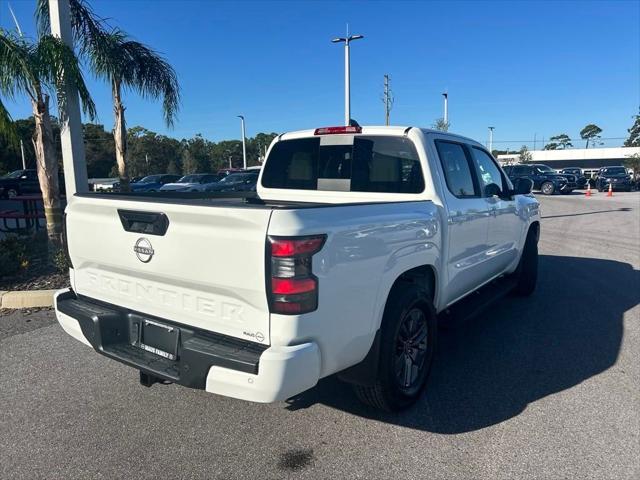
x,y
144,250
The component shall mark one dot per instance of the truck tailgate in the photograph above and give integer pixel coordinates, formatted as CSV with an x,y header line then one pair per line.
x,y
207,270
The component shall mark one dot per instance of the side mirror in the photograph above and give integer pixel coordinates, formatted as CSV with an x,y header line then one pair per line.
x,y
492,190
522,186
23,177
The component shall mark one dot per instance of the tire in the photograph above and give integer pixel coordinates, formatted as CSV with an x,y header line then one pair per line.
x,y
409,312
548,188
527,271
12,192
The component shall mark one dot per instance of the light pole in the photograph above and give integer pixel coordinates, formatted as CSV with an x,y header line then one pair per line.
x,y
446,109
491,139
244,146
347,74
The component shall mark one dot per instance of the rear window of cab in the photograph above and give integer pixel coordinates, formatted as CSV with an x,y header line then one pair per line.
x,y
355,163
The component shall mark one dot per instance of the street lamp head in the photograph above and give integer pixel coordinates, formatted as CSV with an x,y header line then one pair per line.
x,y
355,37
241,116
338,40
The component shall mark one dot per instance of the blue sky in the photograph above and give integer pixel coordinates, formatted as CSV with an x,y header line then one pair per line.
x,y
527,68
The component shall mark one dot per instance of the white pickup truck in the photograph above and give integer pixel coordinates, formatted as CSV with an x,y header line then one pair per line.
x,y
357,242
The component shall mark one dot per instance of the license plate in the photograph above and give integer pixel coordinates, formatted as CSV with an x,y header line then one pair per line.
x,y
160,339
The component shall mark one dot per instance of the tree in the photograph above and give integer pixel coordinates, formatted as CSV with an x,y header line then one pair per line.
x,y
196,155
36,69
590,133
125,64
559,142
633,162
525,155
441,125
634,133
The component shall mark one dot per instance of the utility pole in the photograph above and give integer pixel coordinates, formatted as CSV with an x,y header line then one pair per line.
x,y
347,74
387,98
244,146
24,162
446,109
491,139
535,135
75,165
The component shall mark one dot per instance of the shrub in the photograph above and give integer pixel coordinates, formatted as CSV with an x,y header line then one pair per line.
x,y
59,259
13,255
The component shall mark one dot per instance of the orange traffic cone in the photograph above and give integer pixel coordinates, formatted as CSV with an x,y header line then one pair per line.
x,y
610,192
588,194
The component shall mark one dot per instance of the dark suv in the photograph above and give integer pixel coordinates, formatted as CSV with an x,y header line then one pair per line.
x,y
581,180
19,182
544,178
617,177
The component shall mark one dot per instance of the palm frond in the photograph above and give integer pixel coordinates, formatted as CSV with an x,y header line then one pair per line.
x,y
116,57
152,76
55,61
85,24
7,127
16,66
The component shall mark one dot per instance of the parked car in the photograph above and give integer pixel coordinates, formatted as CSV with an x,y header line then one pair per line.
x,y
544,178
235,182
617,177
581,179
19,182
358,242
223,172
152,183
104,184
196,182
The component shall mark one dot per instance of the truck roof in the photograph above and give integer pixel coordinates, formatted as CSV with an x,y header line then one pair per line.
x,y
398,130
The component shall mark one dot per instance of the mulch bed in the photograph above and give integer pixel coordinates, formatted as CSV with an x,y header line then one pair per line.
x,y
37,276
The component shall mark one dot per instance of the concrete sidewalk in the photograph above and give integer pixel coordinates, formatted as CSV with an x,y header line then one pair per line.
x,y
26,299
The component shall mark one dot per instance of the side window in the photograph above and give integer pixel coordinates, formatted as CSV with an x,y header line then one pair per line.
x,y
456,168
488,171
522,170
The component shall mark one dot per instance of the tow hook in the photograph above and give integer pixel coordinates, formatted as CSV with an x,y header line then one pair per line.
x,y
147,380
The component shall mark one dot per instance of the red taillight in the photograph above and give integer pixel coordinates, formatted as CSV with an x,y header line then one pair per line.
x,y
289,247
288,286
293,287
337,130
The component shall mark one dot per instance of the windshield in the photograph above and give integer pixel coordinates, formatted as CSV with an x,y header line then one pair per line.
x,y
150,179
544,168
614,171
16,174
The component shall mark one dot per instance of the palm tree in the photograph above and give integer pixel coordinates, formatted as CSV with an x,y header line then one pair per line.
x,y
36,69
125,64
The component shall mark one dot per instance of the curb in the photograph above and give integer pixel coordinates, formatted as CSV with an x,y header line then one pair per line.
x,y
27,299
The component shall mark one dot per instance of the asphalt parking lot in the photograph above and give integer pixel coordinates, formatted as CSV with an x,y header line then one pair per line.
x,y
546,387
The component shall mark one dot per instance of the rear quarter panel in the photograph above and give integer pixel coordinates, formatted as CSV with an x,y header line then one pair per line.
x,y
368,247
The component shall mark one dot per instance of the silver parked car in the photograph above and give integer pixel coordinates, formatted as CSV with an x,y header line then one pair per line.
x,y
196,182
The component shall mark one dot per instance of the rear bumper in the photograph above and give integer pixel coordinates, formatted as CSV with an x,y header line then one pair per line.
x,y
217,363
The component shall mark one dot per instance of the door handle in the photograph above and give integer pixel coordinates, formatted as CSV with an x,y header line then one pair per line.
x,y
150,223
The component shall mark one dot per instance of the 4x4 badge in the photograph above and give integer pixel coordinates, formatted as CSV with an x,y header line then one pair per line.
x,y
144,250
